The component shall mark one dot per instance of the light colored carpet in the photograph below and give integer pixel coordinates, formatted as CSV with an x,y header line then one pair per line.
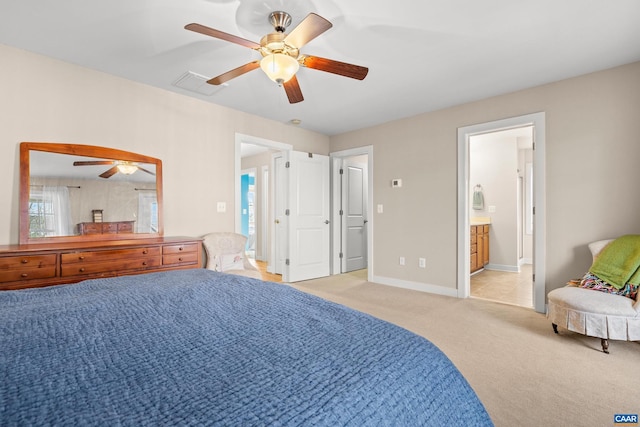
x,y
523,373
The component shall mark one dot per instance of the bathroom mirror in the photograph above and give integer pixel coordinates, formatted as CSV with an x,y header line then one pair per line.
x,y
71,192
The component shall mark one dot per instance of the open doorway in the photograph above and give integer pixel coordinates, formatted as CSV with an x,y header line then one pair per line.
x,y
465,188
500,175
254,195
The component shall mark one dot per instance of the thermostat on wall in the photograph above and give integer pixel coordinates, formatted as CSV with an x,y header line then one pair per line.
x,y
396,183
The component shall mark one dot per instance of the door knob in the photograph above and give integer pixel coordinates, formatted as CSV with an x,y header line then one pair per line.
x,y
277,221
366,221
326,221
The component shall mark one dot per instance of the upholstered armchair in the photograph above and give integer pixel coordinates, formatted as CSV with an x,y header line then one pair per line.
x,y
595,313
226,253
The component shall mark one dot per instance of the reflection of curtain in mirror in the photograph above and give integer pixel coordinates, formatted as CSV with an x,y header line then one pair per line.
x,y
57,218
147,221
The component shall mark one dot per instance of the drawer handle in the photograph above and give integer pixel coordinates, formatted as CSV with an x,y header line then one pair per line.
x,y
144,263
180,248
81,258
180,259
24,261
82,270
145,252
24,275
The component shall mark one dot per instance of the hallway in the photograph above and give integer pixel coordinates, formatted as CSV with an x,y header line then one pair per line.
x,y
506,287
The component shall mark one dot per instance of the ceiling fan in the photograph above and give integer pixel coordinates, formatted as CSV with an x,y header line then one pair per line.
x,y
122,166
281,55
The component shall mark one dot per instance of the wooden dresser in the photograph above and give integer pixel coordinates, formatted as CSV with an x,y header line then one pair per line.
x,y
37,265
118,227
479,247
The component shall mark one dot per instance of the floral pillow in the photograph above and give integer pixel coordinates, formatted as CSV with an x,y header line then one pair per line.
x,y
226,262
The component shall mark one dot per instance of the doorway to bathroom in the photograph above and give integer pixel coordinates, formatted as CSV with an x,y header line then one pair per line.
x,y
501,174
534,218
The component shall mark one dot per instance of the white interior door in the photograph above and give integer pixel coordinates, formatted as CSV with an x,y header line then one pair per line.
x,y
354,215
309,228
280,218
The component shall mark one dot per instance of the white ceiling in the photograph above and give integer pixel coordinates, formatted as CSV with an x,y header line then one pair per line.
x,y
422,55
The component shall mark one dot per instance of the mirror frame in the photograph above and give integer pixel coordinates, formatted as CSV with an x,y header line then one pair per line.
x,y
88,151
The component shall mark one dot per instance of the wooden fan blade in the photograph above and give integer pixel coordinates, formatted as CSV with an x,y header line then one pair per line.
x,y
221,35
93,162
292,88
310,28
144,170
335,67
234,73
109,173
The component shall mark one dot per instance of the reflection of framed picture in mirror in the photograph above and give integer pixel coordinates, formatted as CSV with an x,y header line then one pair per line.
x,y
97,215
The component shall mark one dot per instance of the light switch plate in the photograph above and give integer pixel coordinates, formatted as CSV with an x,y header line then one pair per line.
x,y
222,207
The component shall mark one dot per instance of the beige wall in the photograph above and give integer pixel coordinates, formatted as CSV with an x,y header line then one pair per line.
x,y
592,151
591,155
51,101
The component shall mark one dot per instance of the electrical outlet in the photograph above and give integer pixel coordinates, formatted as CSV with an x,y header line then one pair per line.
x,y
401,260
380,209
422,263
222,207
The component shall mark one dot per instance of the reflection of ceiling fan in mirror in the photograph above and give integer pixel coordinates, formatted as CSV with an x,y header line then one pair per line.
x,y
281,55
121,166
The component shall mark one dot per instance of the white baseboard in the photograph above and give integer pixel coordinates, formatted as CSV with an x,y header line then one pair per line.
x,y
416,286
502,267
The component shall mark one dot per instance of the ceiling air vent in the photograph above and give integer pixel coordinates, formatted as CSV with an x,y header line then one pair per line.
x,y
196,83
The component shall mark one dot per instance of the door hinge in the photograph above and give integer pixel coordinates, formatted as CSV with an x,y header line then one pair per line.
x,y
341,171
341,255
286,212
286,261
287,165
310,155
534,277
533,210
341,212
533,146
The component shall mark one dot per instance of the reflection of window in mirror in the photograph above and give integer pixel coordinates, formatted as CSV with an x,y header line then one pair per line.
x,y
49,209
147,216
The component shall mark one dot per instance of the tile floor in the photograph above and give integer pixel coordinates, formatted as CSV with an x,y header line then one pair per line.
x,y
505,287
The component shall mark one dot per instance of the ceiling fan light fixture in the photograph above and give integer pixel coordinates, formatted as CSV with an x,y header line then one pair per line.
x,y
279,67
127,168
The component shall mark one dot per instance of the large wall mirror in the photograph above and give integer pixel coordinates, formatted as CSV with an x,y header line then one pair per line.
x,y
72,192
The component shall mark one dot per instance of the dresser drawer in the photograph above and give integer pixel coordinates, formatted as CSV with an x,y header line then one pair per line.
x,y
90,228
27,261
183,258
178,249
28,274
113,254
109,227
110,267
125,227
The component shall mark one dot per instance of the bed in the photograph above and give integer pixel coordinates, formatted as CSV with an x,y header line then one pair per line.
x,y
198,347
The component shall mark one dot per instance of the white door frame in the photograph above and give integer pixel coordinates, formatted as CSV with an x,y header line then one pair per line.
x,y
335,159
537,120
248,139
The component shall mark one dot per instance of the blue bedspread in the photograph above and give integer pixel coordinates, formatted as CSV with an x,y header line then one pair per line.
x,y
196,347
